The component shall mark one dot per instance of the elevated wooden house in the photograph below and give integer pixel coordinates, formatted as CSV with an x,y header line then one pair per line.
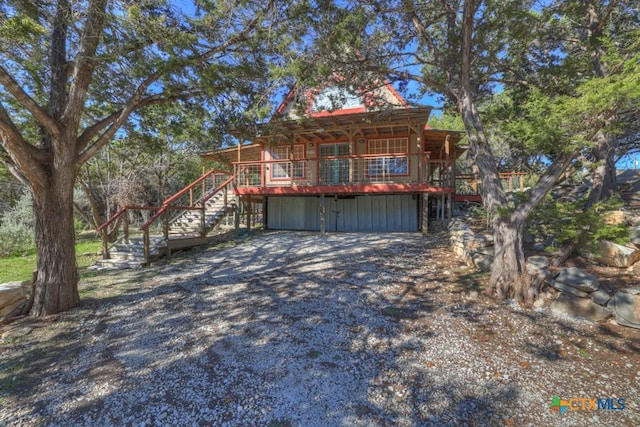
x,y
362,161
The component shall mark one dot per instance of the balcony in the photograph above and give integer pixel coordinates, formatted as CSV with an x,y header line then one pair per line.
x,y
370,173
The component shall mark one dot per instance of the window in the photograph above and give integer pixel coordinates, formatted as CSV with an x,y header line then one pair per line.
x,y
334,98
392,165
284,170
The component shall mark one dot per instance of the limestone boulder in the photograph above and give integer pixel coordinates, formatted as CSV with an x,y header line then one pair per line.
x,y
601,297
482,261
579,307
12,296
537,263
634,234
569,289
579,279
615,255
626,305
614,217
479,241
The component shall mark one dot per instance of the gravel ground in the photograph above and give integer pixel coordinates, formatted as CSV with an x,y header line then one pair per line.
x,y
291,329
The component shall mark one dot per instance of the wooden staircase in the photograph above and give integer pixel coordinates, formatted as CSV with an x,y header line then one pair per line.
x,y
175,225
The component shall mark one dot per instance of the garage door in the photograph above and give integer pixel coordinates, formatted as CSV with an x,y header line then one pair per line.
x,y
383,213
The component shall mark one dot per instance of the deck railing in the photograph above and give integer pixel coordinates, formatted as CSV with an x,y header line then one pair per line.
x,y
352,169
466,184
157,219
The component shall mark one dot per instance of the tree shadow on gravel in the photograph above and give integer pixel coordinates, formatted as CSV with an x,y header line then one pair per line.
x,y
281,328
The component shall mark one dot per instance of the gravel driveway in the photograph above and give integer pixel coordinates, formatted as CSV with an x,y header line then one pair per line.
x,y
291,329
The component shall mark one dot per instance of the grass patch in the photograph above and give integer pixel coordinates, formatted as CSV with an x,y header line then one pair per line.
x,y
20,268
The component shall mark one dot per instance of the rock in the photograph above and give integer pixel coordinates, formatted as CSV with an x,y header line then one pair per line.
x,y
528,238
479,241
483,262
12,296
538,247
579,279
456,224
569,289
615,255
614,218
634,220
627,307
634,234
601,297
581,307
537,263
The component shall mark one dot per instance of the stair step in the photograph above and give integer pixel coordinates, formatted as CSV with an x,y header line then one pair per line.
x,y
118,264
128,256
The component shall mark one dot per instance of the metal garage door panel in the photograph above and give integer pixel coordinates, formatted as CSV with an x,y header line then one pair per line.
x,y
380,213
293,213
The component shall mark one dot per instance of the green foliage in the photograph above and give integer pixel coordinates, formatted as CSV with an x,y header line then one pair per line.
x,y
16,228
568,222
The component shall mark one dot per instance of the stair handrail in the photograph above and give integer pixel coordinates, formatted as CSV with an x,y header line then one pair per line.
x,y
102,229
166,206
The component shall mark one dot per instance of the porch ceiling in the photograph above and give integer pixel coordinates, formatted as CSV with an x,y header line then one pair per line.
x,y
348,127
434,141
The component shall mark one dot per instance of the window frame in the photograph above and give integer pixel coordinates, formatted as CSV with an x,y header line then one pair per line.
x,y
381,163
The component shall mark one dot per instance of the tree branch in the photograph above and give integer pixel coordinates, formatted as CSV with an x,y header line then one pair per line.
x,y
22,154
84,62
239,37
424,35
116,119
28,103
546,181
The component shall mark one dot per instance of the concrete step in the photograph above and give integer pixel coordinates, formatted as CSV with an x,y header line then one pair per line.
x,y
127,256
117,264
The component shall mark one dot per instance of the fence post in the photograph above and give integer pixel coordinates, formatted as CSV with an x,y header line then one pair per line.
x,y
203,230
237,214
146,246
104,233
125,226
165,230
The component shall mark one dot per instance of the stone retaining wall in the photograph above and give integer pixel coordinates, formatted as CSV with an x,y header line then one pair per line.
x,y
580,293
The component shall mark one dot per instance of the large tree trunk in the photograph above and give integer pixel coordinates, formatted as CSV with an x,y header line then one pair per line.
x,y
603,178
56,287
509,277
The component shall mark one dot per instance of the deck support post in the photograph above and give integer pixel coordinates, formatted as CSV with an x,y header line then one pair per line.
x,y
146,247
236,222
322,216
104,233
203,220
247,207
425,213
125,225
165,231
449,207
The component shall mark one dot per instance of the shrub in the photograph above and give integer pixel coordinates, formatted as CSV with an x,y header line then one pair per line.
x,y
16,228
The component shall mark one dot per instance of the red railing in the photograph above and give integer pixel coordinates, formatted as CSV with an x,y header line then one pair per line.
x,y
193,197
466,184
351,169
